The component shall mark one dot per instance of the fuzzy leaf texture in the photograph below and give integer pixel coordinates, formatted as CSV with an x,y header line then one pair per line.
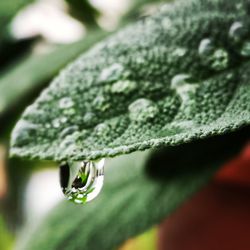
x,y
178,76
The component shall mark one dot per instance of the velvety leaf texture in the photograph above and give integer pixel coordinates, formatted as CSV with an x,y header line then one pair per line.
x,y
130,203
177,76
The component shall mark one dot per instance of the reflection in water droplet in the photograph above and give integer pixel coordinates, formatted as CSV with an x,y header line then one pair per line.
x,y
245,50
219,60
65,103
142,109
237,31
123,87
81,182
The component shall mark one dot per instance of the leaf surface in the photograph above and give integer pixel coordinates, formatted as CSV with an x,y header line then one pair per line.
x,y
175,77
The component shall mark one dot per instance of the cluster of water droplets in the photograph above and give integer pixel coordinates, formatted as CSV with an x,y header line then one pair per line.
x,y
82,181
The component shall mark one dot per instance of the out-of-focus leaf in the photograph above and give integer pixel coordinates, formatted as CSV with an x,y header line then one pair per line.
x,y
8,9
36,70
83,11
130,203
6,239
146,87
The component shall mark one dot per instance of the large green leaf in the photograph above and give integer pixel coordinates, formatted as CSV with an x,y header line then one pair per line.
x,y
129,204
131,92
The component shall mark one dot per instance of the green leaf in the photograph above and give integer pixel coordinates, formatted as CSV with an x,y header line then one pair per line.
x,y
156,83
36,70
130,203
8,9
83,11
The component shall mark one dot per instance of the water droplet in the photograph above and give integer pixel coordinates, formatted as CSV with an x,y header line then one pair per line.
x,y
166,23
23,131
206,47
102,129
66,103
219,60
89,118
68,131
245,50
56,123
180,80
184,85
124,87
113,73
100,103
142,109
179,52
82,181
237,31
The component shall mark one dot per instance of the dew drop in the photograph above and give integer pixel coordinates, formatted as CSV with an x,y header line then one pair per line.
x,y
217,59
66,103
184,85
102,129
101,103
23,131
166,23
237,31
180,80
179,52
56,123
112,73
123,87
89,118
82,181
245,50
142,109
206,47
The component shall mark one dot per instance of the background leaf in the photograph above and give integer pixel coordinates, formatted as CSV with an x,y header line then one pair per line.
x,y
129,197
147,86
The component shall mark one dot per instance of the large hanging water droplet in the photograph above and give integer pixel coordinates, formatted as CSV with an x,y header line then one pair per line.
x,y
245,50
81,182
142,109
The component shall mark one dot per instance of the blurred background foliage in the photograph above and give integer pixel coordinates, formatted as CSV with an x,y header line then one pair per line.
x,y
37,39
